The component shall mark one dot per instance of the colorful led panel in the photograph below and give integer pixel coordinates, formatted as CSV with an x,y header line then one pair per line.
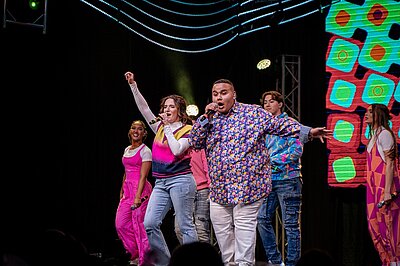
x,y
346,131
363,62
378,89
346,168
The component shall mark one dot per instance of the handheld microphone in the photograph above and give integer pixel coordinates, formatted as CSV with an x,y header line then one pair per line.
x,y
155,120
209,112
393,196
141,201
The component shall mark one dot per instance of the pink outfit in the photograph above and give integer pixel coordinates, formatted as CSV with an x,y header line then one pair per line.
x,y
383,223
129,223
199,168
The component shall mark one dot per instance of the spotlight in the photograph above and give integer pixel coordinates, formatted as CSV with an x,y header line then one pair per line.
x,y
192,110
34,4
263,64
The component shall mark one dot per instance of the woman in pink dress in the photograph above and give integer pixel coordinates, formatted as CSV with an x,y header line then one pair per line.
x,y
134,194
383,184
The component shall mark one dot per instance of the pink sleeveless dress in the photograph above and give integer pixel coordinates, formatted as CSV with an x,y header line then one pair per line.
x,y
129,223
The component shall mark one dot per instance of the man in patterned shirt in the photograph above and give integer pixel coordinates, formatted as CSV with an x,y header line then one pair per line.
x,y
233,135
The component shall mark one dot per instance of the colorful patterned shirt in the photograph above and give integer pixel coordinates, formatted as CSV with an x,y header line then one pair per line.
x,y
238,160
285,153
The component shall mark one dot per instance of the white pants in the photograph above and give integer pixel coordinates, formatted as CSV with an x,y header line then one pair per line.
x,y
235,228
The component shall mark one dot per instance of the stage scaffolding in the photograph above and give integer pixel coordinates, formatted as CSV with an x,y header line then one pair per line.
x,y
19,13
289,86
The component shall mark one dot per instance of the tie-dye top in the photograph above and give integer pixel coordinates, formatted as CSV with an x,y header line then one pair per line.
x,y
165,163
285,153
238,160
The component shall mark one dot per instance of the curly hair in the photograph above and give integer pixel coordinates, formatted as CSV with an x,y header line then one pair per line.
x,y
181,104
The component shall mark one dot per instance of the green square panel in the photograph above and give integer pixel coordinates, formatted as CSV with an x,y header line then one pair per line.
x,y
343,55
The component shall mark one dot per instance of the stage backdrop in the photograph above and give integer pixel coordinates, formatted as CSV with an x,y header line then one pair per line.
x,y
363,63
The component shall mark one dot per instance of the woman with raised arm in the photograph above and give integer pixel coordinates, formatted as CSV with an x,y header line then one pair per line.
x,y
175,185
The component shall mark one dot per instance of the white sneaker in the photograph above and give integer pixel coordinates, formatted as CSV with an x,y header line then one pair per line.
x,y
271,264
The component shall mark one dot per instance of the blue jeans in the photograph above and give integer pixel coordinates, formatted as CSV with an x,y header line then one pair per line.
x,y
286,193
201,215
177,192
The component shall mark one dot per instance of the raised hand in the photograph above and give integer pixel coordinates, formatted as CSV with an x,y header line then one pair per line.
x,y
130,77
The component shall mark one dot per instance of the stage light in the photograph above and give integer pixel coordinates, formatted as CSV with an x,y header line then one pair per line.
x,y
263,64
34,4
192,110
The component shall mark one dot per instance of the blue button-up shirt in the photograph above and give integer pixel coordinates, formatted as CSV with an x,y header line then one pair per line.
x,y
237,156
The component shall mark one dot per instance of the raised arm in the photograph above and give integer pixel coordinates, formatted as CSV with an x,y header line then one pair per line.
x,y
141,102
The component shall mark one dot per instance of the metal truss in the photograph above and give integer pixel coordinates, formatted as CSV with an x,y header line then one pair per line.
x,y
290,84
290,89
15,12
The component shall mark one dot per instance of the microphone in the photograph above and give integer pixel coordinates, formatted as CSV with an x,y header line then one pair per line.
x,y
141,201
155,120
209,112
393,196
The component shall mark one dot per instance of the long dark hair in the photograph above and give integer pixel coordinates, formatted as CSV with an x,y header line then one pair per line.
x,y
181,104
380,118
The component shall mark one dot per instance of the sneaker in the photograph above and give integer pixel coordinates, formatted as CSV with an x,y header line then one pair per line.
x,y
134,262
269,263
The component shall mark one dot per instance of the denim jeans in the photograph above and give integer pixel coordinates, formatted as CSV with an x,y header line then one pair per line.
x,y
286,193
201,216
177,192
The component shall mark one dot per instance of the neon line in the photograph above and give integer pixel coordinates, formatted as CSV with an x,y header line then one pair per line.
x,y
190,15
176,25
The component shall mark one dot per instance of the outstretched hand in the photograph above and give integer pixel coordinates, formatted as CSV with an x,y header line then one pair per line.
x,y
321,133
